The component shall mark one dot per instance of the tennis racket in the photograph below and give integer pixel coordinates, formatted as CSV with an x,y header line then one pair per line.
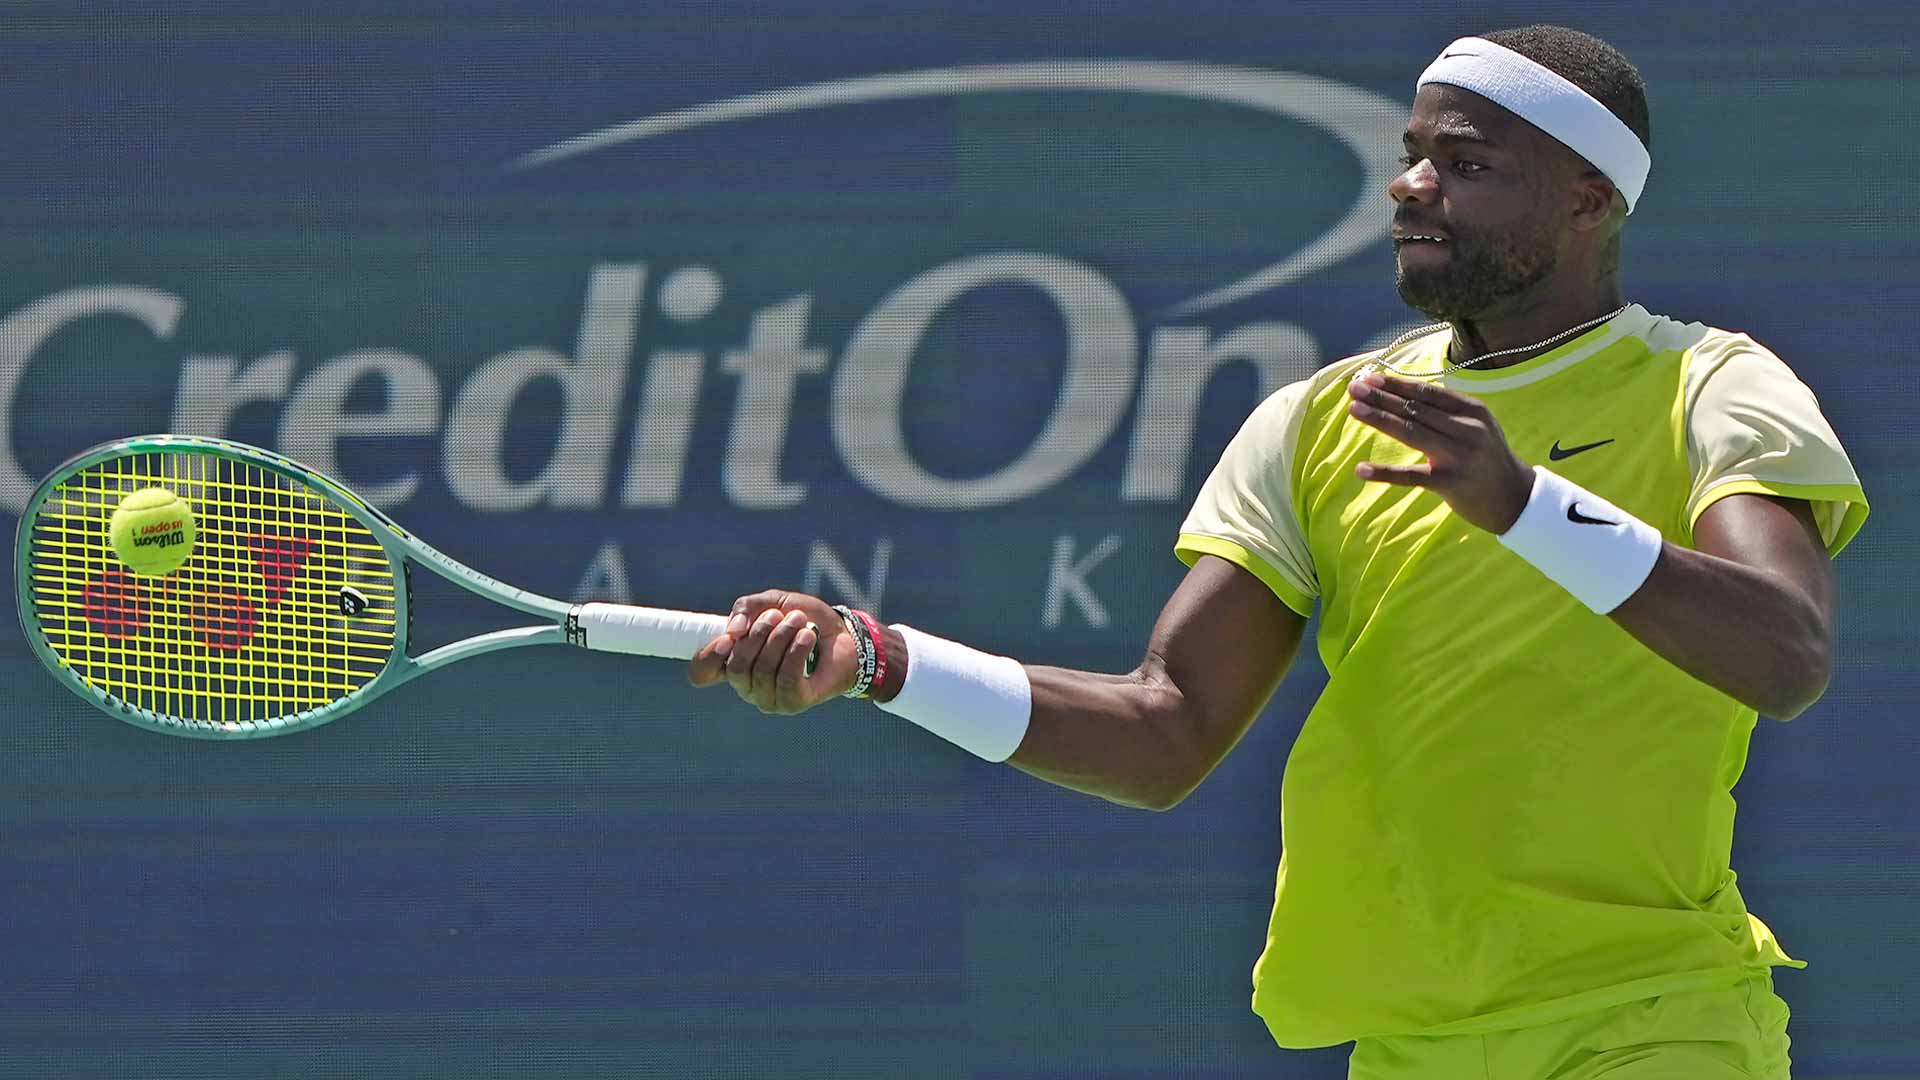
x,y
295,607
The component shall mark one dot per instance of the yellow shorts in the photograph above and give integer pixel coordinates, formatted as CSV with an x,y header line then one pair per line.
x,y
1733,1034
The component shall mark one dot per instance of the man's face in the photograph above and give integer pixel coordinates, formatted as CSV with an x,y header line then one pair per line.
x,y
1481,180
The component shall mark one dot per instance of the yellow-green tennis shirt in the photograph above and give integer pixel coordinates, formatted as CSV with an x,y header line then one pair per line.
x,y
1503,809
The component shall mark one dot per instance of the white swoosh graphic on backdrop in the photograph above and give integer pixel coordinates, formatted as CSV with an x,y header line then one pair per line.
x,y
1362,120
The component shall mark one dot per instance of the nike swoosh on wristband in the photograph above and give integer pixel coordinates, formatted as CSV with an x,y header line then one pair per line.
x,y
1557,454
1574,515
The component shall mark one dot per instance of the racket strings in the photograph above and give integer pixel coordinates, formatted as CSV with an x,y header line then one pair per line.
x,y
251,630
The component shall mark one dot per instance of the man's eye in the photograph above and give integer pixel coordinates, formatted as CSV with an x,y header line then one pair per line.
x,y
1468,168
1408,161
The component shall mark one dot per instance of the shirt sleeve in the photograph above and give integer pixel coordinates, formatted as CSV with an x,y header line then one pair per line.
x,y
1754,427
1245,511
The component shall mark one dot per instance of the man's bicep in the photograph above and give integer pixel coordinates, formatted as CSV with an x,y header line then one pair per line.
x,y
1224,640
1772,534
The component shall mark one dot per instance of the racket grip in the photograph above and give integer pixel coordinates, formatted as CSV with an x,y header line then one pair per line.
x,y
643,631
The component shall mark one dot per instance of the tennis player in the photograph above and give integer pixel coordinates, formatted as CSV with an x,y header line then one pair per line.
x,y
1564,551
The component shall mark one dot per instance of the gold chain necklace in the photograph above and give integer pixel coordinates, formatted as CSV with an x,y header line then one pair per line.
x,y
1382,364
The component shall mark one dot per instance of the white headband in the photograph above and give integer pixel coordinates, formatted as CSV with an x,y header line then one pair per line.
x,y
1549,102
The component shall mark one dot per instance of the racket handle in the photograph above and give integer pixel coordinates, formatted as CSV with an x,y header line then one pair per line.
x,y
643,631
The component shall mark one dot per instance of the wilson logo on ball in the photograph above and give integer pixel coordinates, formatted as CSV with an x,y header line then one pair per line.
x,y
161,536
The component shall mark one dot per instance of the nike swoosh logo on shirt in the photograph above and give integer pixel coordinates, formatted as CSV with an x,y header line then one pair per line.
x,y
1557,454
1574,515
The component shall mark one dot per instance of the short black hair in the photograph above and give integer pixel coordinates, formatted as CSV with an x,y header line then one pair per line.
x,y
1588,63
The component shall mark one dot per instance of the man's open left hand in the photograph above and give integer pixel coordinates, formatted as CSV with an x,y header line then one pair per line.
x,y
1468,461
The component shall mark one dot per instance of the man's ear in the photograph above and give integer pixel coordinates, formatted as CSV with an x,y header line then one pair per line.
x,y
1595,201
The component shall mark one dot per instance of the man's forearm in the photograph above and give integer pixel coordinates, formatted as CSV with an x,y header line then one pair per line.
x,y
1115,736
1106,735
1741,630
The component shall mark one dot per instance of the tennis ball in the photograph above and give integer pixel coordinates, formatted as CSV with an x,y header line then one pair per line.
x,y
152,531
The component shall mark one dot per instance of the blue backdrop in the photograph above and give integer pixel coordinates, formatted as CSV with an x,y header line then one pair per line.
x,y
945,311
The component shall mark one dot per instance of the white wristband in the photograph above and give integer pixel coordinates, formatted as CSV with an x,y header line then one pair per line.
x,y
975,700
1588,546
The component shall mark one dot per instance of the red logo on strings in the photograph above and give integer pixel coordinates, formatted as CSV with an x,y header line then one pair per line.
x,y
227,619
116,605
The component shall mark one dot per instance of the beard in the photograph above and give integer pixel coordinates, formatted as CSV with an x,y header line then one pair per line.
x,y
1480,271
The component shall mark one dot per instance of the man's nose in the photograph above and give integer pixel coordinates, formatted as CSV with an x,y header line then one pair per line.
x,y
1418,183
